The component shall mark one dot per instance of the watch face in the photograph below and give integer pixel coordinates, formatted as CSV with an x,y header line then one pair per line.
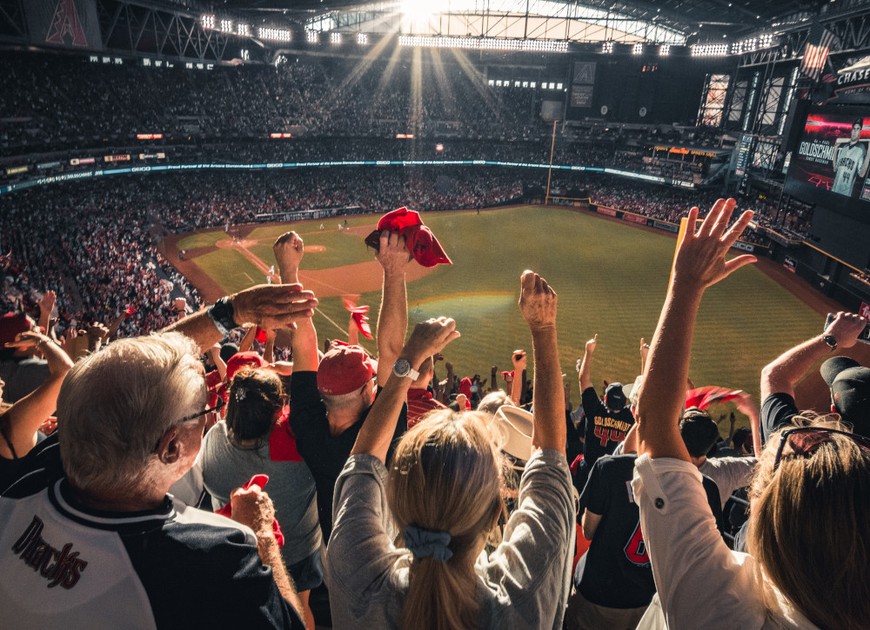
x,y
402,367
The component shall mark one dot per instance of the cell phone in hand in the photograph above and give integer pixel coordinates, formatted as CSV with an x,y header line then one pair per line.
x,y
863,337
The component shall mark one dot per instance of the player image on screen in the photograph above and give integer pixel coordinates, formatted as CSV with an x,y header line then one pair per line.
x,y
850,159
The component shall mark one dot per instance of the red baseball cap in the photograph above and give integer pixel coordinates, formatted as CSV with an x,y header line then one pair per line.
x,y
10,325
242,360
419,239
344,368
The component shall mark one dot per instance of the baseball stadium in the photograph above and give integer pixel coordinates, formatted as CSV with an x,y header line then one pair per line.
x,y
373,255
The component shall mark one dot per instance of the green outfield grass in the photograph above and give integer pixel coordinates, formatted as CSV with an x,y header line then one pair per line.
x,y
230,269
202,239
610,277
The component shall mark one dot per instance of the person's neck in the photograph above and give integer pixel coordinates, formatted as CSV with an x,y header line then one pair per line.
x,y
127,500
341,420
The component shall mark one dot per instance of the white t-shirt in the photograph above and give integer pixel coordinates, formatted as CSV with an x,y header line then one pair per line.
x,y
849,160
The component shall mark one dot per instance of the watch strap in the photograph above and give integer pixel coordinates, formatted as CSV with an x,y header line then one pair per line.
x,y
399,369
222,315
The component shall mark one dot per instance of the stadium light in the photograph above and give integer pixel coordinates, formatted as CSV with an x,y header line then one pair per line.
x,y
335,38
637,49
709,50
312,37
208,21
664,50
484,43
362,39
274,34
227,26
607,48
243,29
246,54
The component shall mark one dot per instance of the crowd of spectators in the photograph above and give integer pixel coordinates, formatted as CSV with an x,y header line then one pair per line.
x,y
95,243
51,101
431,502
462,515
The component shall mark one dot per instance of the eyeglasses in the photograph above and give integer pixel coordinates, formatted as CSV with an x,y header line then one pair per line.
x,y
806,440
193,416
199,414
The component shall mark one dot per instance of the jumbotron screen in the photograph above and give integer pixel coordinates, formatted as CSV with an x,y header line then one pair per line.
x,y
829,165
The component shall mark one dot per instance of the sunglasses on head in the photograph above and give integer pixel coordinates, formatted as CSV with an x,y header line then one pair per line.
x,y
807,440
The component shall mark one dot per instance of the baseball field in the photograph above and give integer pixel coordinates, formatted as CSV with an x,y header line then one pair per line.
x,y
610,277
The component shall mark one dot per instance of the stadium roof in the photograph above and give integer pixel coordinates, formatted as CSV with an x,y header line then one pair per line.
x,y
631,20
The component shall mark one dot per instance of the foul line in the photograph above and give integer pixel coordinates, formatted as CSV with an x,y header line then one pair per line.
x,y
326,317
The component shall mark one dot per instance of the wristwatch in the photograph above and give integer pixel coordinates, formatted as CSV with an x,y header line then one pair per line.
x,y
402,368
222,314
831,341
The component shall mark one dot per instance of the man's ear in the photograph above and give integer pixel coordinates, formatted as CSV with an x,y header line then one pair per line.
x,y
169,447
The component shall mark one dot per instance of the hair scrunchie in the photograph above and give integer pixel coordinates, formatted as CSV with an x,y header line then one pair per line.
x,y
425,542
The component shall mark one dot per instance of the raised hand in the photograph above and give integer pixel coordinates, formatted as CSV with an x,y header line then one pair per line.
x,y
392,253
28,339
273,306
700,257
846,328
46,304
592,344
538,301
430,337
288,249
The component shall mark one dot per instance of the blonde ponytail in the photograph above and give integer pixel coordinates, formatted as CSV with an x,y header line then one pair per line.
x,y
446,483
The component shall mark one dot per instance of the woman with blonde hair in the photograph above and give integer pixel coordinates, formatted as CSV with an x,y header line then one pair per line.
x,y
443,494
810,499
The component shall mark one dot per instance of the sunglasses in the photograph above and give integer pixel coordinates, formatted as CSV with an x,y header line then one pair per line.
x,y
807,440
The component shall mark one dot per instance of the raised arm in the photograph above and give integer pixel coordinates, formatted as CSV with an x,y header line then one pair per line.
x,y
585,368
219,363
248,339
644,353
519,360
700,263
538,304
782,374
393,317
268,306
289,249
377,431
28,414
46,306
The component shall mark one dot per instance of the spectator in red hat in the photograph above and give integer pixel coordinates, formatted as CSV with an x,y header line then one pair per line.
x,y
420,399
331,399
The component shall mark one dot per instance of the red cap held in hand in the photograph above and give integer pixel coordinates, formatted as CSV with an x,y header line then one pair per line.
x,y
419,239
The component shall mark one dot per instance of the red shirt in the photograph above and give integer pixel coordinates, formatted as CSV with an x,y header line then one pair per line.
x,y
420,402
